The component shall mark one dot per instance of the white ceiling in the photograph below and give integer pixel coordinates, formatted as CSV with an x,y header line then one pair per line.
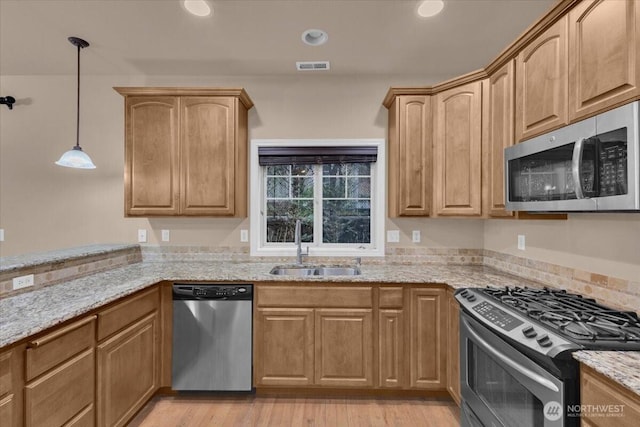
x,y
258,37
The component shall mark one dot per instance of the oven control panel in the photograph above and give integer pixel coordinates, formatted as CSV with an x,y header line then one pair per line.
x,y
496,316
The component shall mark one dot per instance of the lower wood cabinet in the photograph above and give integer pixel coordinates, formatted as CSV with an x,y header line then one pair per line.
x,y
453,347
128,358
284,341
391,353
344,347
619,407
11,386
127,371
427,339
60,375
340,337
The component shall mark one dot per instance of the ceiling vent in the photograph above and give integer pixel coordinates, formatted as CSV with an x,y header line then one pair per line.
x,y
313,66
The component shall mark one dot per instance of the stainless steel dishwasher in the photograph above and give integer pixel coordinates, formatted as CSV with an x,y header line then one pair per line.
x,y
212,335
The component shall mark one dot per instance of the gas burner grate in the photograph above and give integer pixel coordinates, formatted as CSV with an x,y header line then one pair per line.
x,y
579,318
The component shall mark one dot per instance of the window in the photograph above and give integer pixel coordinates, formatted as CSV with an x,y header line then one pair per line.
x,y
337,192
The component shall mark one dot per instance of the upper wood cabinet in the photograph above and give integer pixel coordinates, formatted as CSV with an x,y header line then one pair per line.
x,y
541,83
185,151
409,156
604,55
457,151
498,102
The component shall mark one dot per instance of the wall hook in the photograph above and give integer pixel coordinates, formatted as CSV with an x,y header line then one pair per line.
x,y
8,101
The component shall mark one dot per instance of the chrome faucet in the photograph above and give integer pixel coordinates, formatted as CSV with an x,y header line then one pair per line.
x,y
298,242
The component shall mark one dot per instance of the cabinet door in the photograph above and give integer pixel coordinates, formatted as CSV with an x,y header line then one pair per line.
x,y
127,371
621,405
427,352
208,155
391,348
498,135
344,347
62,394
458,150
453,348
151,155
410,156
283,346
11,386
541,83
604,55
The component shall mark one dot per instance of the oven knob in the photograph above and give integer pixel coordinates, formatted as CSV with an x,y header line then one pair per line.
x,y
242,290
464,293
545,341
471,298
529,332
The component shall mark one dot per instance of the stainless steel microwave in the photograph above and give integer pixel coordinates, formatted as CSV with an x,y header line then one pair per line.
x,y
591,165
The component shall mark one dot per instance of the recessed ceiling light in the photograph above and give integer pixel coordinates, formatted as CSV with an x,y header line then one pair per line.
x,y
198,7
315,37
430,8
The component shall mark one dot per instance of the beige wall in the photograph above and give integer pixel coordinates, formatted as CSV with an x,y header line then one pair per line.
x,y
44,207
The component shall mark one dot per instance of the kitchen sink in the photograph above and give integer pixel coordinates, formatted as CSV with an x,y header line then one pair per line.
x,y
305,270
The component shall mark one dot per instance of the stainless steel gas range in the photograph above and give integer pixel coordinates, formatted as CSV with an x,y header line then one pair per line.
x,y
516,367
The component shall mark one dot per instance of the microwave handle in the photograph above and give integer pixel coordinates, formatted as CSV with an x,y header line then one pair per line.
x,y
575,167
506,360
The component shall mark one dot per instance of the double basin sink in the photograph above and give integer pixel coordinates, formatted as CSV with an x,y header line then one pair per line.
x,y
315,271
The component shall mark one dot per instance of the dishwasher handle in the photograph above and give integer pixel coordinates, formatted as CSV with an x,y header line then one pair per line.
x,y
200,292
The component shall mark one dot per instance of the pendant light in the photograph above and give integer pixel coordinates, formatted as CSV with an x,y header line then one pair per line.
x,y
76,158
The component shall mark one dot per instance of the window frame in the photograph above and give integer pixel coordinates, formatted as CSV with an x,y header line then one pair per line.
x,y
257,222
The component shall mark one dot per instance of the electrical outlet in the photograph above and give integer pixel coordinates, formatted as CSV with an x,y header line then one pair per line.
x,y
1,234
142,235
244,235
22,281
166,235
521,241
393,236
415,236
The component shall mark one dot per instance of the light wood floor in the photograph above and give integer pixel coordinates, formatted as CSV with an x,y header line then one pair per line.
x,y
286,411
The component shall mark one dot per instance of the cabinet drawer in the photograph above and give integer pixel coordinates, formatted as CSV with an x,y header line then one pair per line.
x,y
390,297
62,394
596,390
314,296
52,349
117,317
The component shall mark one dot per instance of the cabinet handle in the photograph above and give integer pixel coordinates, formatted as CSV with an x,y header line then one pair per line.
x,y
39,342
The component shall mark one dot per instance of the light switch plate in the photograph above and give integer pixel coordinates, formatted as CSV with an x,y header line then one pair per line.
x,y
393,236
166,235
1,234
142,235
415,236
244,235
521,242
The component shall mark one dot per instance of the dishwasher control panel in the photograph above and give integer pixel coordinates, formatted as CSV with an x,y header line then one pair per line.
x,y
212,291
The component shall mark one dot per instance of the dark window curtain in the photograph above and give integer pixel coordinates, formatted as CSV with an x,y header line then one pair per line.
x,y
269,156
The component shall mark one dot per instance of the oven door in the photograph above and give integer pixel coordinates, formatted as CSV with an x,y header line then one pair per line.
x,y
501,386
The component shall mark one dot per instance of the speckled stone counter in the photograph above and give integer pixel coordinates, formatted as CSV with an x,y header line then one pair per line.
x,y
622,367
17,262
32,312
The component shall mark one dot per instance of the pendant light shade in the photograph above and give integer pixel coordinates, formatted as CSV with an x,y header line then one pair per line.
x,y
76,158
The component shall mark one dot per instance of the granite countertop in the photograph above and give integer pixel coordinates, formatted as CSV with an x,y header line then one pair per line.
x,y
28,313
622,367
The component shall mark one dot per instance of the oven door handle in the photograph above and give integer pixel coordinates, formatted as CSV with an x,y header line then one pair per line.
x,y
509,362
576,160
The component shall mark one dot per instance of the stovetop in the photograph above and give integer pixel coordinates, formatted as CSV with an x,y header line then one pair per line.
x,y
580,319
550,321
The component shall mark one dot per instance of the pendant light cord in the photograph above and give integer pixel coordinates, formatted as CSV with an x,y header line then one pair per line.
x,y
78,104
